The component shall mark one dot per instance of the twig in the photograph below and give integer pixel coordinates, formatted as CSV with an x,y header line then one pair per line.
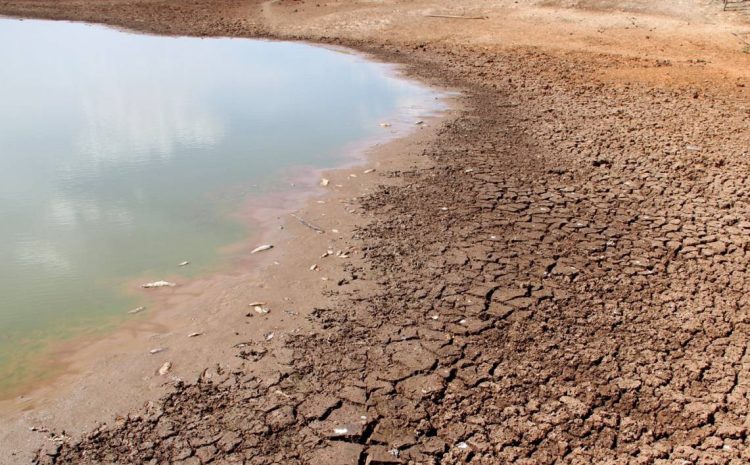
x,y
309,225
456,17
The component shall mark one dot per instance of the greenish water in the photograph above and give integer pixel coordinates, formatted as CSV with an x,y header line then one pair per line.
x,y
122,155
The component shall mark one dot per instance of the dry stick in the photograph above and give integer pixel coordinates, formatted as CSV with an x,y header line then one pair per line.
x,y
309,225
456,17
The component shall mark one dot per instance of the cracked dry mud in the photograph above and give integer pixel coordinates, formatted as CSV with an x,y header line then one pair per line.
x,y
566,284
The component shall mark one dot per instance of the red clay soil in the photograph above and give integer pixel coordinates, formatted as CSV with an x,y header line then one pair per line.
x,y
567,284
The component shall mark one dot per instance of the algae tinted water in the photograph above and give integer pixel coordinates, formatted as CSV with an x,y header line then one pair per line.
x,y
122,155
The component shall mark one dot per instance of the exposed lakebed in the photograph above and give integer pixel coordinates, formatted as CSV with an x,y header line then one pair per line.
x,y
123,155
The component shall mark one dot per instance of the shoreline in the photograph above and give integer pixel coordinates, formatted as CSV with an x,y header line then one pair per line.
x,y
564,282
118,361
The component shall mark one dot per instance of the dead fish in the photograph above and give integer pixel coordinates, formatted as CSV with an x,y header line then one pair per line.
x,y
256,304
324,182
194,334
314,267
328,252
137,310
385,125
419,123
262,248
158,284
185,263
371,170
155,351
269,336
165,368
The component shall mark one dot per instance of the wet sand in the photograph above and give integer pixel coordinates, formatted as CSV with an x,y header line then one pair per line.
x,y
562,281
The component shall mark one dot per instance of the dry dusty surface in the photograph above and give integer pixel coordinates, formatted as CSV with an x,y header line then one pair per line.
x,y
564,282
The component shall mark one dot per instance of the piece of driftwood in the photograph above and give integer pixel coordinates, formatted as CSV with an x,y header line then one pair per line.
x,y
456,17
309,225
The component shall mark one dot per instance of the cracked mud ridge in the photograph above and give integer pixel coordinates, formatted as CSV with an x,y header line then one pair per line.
x,y
567,283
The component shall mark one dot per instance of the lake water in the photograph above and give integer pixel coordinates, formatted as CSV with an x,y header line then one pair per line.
x,y
122,155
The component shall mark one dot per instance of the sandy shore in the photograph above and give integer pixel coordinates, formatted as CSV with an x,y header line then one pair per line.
x,y
563,281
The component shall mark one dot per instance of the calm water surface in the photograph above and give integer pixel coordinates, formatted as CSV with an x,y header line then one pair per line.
x,y
122,155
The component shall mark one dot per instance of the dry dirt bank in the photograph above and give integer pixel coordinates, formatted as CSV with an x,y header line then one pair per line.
x,y
567,283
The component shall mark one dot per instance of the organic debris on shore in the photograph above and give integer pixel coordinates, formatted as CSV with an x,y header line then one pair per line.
x,y
262,248
158,284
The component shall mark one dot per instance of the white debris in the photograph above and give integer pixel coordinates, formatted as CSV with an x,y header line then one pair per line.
x,y
371,170
259,309
419,123
314,268
137,310
261,248
194,334
185,263
435,317
385,125
158,284
165,368
255,304
327,253
324,182
340,430
155,351
335,231
462,445
269,336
